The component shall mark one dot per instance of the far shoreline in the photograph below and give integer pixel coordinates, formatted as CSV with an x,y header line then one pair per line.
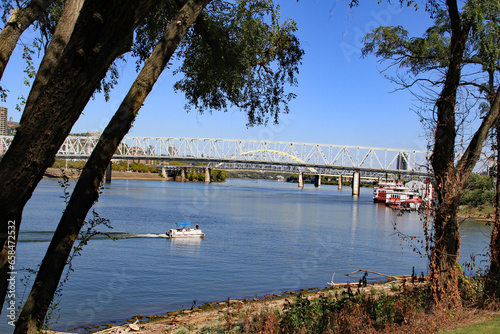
x,y
73,174
485,214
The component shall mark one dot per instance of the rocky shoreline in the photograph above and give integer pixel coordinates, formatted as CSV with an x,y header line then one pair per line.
x,y
214,314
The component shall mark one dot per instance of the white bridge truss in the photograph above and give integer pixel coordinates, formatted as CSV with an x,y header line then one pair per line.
x,y
310,156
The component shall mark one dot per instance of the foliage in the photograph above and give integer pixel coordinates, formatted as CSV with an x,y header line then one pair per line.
x,y
235,57
61,163
219,175
195,176
422,61
140,167
409,310
455,65
134,167
478,191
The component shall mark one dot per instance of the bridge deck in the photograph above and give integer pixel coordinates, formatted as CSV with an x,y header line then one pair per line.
x,y
301,155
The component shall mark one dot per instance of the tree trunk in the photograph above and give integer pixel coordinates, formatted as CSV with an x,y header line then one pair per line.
x,y
445,251
13,30
87,40
86,189
446,243
493,279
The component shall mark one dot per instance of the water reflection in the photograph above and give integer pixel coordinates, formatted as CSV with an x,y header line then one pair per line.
x,y
186,246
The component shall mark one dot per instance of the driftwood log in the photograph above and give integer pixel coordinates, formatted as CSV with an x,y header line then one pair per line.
x,y
389,277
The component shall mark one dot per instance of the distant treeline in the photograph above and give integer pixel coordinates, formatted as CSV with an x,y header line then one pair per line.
x,y
479,190
121,166
217,174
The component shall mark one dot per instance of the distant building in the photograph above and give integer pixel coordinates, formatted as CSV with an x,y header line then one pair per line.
x,y
11,127
138,151
3,120
402,162
172,150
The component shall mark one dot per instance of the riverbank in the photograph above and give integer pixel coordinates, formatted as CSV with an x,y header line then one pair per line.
x,y
217,314
222,317
484,213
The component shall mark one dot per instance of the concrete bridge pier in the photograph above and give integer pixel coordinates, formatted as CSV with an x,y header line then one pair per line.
x,y
317,180
184,174
164,172
340,183
208,175
108,172
301,180
355,184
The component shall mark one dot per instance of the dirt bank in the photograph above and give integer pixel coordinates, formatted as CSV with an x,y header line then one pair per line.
x,y
219,313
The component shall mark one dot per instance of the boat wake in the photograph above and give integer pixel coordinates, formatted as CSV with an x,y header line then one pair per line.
x,y
138,235
46,236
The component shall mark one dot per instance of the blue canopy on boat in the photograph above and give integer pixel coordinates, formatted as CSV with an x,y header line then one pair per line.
x,y
183,224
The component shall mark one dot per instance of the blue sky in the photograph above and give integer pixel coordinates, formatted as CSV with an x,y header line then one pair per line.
x,y
341,99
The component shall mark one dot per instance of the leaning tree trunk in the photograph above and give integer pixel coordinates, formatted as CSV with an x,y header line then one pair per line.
x,y
89,36
18,22
87,187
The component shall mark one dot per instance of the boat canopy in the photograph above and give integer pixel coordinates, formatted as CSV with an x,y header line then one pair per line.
x,y
183,224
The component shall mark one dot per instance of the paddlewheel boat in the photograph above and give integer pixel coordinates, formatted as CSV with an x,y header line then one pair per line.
x,y
390,185
184,230
396,195
407,200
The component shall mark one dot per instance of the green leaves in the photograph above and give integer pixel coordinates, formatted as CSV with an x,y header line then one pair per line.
x,y
432,51
416,54
240,56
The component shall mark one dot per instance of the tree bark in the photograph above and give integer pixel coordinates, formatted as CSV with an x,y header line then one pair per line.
x,y
446,243
13,30
493,278
86,189
89,36
445,252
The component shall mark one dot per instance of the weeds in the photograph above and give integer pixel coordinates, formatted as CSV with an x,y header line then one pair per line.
x,y
406,309
337,313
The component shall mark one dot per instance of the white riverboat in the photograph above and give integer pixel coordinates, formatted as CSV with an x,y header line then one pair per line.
x,y
184,230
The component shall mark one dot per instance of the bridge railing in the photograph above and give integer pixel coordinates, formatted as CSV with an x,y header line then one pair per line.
x,y
252,151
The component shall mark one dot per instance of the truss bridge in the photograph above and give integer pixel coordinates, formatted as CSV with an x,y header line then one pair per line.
x,y
278,155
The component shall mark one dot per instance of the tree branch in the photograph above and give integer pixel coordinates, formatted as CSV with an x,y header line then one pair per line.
x,y
17,25
471,155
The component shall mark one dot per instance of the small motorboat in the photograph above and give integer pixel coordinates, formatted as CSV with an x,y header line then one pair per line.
x,y
184,230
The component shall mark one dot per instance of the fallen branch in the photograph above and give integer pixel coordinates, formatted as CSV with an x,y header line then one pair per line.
x,y
376,273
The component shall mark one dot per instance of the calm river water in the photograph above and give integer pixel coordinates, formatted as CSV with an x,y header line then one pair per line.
x,y
262,237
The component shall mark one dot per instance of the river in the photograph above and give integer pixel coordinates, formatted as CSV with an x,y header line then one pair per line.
x,y
262,237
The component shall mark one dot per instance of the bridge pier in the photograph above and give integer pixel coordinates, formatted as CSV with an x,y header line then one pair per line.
x,y
183,174
317,180
164,172
208,175
108,172
340,182
301,180
355,184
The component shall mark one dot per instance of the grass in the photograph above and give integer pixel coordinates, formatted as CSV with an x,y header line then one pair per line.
x,y
489,326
